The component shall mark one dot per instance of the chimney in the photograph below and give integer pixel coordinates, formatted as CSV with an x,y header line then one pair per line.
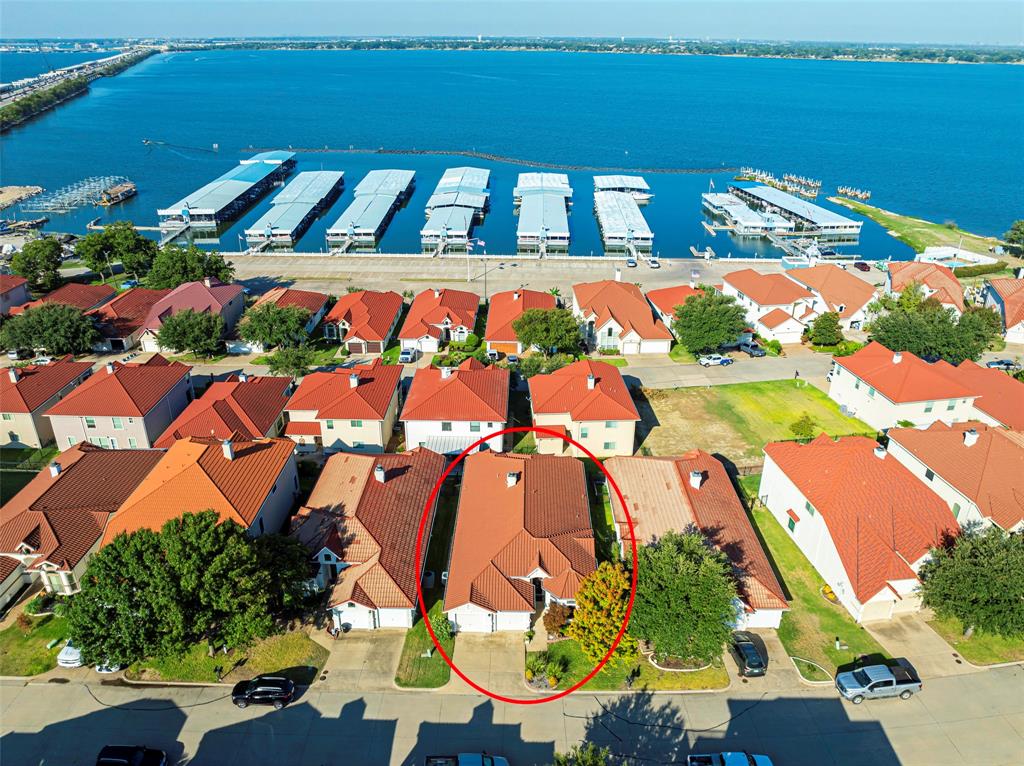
x,y
591,381
379,473
437,293
207,282
693,279
353,379
696,479
446,372
970,437
511,479
110,368
55,469
229,449
618,274
515,295
897,357
14,374
880,452
243,377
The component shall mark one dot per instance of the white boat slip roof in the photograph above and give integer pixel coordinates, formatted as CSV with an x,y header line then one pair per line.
x,y
364,215
464,179
543,212
221,192
476,200
619,215
732,206
392,182
633,183
292,204
456,220
543,183
809,211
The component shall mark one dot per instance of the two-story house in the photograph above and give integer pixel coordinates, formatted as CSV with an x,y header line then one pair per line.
x,y
438,316
364,321
616,316
1006,296
26,393
838,291
210,295
935,280
777,307
80,296
13,292
665,300
121,321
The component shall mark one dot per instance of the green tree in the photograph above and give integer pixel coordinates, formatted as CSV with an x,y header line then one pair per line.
x,y
548,330
294,361
931,329
804,427
684,598
707,321
587,754
825,330
196,331
174,265
95,252
601,603
134,251
58,328
979,580
1015,235
272,325
39,262
289,560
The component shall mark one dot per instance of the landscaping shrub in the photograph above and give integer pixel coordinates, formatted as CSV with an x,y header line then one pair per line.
x,y
774,346
536,664
556,618
977,271
442,628
847,347
24,622
37,605
804,427
471,342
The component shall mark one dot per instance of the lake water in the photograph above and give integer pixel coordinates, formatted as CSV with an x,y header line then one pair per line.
x,y
15,66
940,141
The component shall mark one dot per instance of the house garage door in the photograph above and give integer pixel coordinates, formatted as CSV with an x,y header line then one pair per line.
x,y
475,622
504,348
374,347
355,617
357,347
631,347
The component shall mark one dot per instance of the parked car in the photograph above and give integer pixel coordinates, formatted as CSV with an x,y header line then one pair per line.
x,y
751,349
17,354
878,681
129,283
263,690
70,656
130,755
631,263
711,360
654,263
728,759
39,360
1003,364
512,359
407,356
493,355
107,667
466,759
861,266
748,651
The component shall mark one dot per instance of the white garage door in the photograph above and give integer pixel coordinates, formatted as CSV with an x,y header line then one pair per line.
x,y
475,622
631,347
355,617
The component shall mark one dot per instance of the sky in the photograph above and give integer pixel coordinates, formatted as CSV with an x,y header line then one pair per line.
x,y
911,21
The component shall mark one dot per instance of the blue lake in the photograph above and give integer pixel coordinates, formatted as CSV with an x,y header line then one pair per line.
x,y
940,141
15,66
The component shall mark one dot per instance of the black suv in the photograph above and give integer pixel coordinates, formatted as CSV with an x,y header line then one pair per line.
x,y
128,755
747,650
751,349
263,690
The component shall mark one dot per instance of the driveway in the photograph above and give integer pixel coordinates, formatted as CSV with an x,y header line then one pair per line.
x,y
662,372
782,675
495,661
363,660
911,637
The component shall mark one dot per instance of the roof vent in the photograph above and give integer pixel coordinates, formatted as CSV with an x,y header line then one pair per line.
x,y
897,357
243,377
515,295
446,372
591,381
229,449
970,437
618,274
55,469
353,379
207,282
437,293
696,479
511,479
14,374
880,452
110,368
379,473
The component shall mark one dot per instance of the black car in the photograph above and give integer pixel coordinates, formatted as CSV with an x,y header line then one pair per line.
x,y
861,266
130,755
263,690
749,652
751,349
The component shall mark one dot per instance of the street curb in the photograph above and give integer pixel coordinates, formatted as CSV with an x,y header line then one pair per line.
x,y
185,684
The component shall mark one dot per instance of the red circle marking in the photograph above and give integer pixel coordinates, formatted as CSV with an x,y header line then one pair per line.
x,y
419,566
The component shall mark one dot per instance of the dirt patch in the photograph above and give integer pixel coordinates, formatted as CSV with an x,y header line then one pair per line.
x,y
676,421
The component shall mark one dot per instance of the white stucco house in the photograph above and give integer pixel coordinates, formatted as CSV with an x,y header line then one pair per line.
x,y
777,307
616,316
1007,297
438,316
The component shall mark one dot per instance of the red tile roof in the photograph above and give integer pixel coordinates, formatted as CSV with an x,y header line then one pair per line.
x,y
471,392
369,525
836,286
766,289
990,472
1000,396
301,428
61,517
333,397
231,409
1012,293
667,298
286,296
194,475
431,308
9,282
37,383
566,390
508,306
935,276
192,295
775,318
81,297
126,313
505,533
123,389
660,499
910,380
622,302
369,315
881,518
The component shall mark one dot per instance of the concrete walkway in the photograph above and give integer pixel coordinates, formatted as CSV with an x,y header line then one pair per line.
x,y
911,637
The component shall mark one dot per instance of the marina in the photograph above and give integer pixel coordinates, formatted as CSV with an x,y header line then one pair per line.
x,y
743,220
543,201
623,226
636,186
226,197
807,217
459,201
295,206
377,197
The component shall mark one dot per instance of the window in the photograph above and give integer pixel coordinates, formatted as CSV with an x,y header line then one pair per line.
x,y
610,424
609,445
584,432
956,510
357,445
929,474
791,524
446,426
610,331
261,526
808,507
71,441
474,428
90,422
356,423
871,392
133,442
951,405
856,384
113,443
8,416
330,425
118,424
928,406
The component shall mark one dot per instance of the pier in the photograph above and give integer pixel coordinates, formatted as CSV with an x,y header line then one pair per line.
x,y
543,200
459,201
377,197
635,186
741,219
622,224
807,217
294,207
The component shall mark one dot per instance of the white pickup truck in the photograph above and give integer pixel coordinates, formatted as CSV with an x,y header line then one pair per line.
x,y
466,759
877,681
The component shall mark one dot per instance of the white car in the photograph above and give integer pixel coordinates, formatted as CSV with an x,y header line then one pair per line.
x,y
108,667
654,263
70,656
407,356
711,360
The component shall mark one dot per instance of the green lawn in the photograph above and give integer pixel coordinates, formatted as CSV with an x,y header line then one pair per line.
x,y
27,457
681,355
197,358
325,352
390,355
519,407
11,483
614,361
739,419
809,628
24,652
613,677
980,648
601,518
292,654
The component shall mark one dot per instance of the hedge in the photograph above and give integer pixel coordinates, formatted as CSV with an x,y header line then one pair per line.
x,y
977,271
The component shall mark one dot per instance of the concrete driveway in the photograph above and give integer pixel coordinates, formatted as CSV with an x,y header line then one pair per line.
x,y
363,660
911,637
495,661
782,676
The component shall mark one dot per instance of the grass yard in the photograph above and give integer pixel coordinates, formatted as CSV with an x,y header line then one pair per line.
x,y
519,407
325,352
809,628
737,420
27,457
294,655
601,518
613,677
197,358
681,355
614,361
11,483
980,648
24,652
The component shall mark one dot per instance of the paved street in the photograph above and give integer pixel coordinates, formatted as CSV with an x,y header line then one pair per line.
x,y
972,719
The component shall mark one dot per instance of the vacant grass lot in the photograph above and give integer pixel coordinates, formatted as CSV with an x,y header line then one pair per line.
x,y
980,648
737,420
24,653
